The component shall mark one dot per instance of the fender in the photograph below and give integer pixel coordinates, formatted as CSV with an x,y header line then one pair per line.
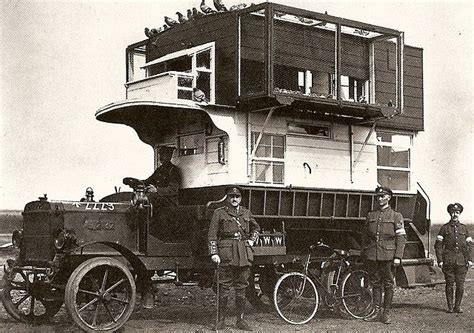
x,y
137,264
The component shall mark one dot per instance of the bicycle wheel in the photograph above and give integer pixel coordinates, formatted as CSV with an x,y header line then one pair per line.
x,y
296,298
356,294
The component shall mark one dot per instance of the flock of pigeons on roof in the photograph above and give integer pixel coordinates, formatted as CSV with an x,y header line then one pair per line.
x,y
193,14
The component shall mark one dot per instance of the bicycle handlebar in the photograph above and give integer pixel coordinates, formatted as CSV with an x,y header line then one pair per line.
x,y
338,252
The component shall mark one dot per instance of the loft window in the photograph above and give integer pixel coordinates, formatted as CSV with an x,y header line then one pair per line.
x,y
353,89
268,163
195,65
394,160
316,130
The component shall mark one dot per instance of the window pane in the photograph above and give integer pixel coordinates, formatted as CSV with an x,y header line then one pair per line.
x,y
203,82
396,180
278,140
191,144
278,172
278,152
262,172
203,59
393,157
263,151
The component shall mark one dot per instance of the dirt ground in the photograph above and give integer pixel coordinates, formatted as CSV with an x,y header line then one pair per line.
x,y
192,309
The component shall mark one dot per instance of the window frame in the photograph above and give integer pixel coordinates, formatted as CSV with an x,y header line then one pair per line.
x,y
268,160
409,147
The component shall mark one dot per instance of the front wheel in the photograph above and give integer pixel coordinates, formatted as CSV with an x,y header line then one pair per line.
x,y
100,295
28,298
296,298
356,294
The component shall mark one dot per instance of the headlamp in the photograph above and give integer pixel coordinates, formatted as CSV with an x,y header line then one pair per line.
x,y
17,238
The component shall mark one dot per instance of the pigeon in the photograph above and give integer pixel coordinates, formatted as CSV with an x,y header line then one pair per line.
x,y
361,32
150,33
147,32
170,21
164,27
189,14
199,96
206,9
238,6
220,6
390,103
197,13
181,17
305,20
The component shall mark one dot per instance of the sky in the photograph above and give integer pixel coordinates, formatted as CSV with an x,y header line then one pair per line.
x,y
60,61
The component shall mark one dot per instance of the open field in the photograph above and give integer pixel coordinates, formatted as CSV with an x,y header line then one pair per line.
x,y
191,309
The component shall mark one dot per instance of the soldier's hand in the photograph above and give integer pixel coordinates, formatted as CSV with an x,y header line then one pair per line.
x,y
397,261
215,258
250,242
440,264
151,188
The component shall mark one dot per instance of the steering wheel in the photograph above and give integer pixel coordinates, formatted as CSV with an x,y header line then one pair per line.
x,y
133,182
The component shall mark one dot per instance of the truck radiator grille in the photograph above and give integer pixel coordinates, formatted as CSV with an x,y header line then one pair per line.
x,y
37,242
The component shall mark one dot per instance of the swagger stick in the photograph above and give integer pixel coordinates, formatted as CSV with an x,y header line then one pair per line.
x,y
217,295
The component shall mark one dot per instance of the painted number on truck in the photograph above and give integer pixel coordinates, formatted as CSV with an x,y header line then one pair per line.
x,y
99,225
99,206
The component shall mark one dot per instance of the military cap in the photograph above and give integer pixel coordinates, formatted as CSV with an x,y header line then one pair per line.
x,y
382,190
165,149
233,190
455,207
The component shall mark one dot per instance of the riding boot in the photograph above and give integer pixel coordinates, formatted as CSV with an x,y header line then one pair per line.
x,y
387,305
375,314
457,302
449,297
241,323
221,314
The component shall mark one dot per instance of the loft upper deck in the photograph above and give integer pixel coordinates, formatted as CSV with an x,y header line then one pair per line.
x,y
270,55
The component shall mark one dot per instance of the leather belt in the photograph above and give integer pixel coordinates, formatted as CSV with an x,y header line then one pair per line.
x,y
236,236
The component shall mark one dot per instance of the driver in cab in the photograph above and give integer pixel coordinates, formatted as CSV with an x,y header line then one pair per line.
x,y
163,185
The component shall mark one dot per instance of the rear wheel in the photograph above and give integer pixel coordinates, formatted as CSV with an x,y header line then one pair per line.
x,y
28,298
100,295
260,290
356,294
296,298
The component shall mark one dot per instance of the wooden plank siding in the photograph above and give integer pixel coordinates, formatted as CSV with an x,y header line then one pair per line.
x,y
385,87
297,47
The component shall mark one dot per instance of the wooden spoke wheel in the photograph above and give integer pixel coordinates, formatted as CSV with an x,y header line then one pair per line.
x,y
100,295
260,290
28,298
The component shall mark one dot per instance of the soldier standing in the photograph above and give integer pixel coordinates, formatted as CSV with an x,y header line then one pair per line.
x,y
383,243
453,251
232,233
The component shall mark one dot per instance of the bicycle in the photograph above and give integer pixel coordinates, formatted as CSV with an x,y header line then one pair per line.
x,y
344,287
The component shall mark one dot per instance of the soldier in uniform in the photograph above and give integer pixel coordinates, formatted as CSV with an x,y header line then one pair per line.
x,y
232,233
453,251
163,184
383,243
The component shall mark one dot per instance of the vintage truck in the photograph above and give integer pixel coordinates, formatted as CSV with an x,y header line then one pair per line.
x,y
305,111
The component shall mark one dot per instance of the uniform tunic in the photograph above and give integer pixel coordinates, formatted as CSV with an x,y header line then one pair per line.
x,y
453,244
167,180
229,231
383,236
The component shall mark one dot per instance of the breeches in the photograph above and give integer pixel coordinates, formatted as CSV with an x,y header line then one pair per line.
x,y
454,274
381,273
233,277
